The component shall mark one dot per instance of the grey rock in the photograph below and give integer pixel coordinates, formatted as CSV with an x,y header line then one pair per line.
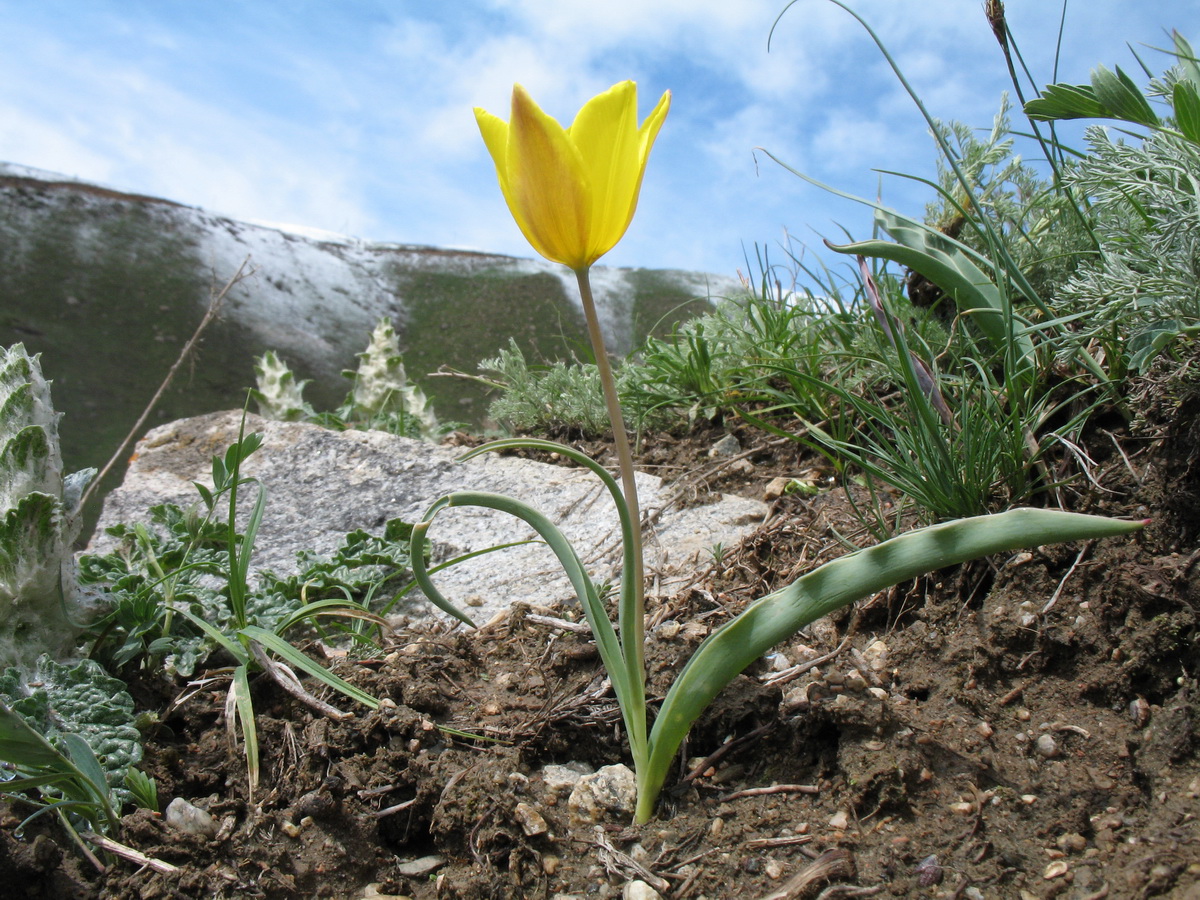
x,y
612,790
322,484
190,819
419,868
559,779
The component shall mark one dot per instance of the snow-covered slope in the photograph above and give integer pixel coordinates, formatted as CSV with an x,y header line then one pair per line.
x,y
108,285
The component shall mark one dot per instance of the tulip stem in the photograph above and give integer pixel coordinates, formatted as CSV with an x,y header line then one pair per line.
x,y
631,615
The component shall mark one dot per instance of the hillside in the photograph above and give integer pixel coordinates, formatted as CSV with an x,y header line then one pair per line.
x,y
107,286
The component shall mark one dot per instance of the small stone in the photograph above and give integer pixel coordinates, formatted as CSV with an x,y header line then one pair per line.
x,y
839,820
668,629
374,891
874,746
550,863
773,869
776,488
725,447
1072,842
291,829
1029,799
530,820
985,730
420,867
962,808
929,872
1056,869
190,819
877,693
559,779
639,890
1046,747
612,789
876,656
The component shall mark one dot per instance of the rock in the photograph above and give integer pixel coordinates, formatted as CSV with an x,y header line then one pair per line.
x,y
639,890
190,819
776,488
724,448
559,779
374,891
322,484
420,867
611,790
530,820
1046,747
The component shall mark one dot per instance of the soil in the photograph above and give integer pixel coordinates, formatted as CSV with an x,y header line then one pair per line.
x,y
1020,727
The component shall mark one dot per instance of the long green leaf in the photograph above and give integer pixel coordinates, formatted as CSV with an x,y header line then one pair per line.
x,y
291,655
630,691
243,707
781,614
631,632
1185,98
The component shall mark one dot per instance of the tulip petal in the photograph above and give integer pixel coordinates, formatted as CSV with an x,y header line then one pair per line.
x,y
495,137
646,136
605,132
547,187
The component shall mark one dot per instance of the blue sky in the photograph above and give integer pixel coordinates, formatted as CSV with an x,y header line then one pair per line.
x,y
354,116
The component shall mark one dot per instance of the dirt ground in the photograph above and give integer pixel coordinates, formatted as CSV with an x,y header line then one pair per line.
x,y
1020,727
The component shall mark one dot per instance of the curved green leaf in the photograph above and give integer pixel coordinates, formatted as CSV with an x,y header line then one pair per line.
x,y
629,687
781,614
944,262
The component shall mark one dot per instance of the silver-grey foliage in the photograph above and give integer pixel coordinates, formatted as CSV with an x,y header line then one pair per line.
x,y
38,594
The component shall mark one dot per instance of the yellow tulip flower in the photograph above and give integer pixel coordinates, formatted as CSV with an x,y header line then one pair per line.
x,y
573,190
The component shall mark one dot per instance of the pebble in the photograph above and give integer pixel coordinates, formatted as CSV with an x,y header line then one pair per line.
x,y
190,819
373,892
559,779
725,447
839,820
1056,869
1072,842
639,890
776,488
612,789
1046,747
420,867
530,820
876,655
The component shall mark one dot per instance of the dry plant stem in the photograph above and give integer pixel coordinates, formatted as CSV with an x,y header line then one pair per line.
x,y
287,680
129,853
632,631
214,307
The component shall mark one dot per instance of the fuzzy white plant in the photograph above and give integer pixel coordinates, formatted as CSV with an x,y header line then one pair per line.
x,y
381,386
279,395
39,597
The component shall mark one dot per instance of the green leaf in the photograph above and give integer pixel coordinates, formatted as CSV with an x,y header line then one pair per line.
x,y
239,703
1185,98
1066,101
945,262
290,654
1188,64
781,614
1121,97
